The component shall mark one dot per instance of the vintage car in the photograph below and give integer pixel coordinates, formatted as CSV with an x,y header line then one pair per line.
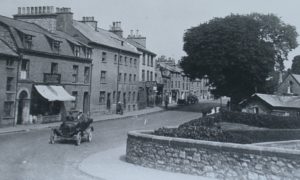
x,y
76,126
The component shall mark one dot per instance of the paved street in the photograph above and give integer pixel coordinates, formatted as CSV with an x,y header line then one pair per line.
x,y
28,155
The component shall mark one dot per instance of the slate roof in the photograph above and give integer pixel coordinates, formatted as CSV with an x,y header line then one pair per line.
x,y
140,47
40,40
280,101
297,77
6,50
104,37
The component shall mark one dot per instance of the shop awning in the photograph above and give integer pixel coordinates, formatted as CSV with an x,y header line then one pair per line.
x,y
54,93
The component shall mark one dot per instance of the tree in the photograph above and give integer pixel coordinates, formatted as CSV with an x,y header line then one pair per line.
x,y
237,52
296,65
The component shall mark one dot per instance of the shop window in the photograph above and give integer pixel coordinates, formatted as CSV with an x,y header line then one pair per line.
x,y
102,97
9,84
8,108
75,73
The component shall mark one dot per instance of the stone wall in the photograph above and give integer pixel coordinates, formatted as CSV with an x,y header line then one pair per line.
x,y
212,159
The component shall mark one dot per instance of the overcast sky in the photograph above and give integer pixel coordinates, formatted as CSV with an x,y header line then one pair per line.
x,y
163,22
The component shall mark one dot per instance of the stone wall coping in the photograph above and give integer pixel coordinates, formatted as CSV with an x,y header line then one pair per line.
x,y
248,148
277,142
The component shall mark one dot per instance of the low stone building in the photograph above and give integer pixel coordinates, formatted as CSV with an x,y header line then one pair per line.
x,y
290,85
272,104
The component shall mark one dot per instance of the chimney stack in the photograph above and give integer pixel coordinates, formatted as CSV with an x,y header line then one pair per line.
x,y
137,38
116,28
90,21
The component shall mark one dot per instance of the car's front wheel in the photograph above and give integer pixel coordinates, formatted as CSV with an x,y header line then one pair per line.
x,y
90,136
78,138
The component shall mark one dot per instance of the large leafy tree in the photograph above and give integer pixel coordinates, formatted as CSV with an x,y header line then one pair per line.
x,y
238,52
296,65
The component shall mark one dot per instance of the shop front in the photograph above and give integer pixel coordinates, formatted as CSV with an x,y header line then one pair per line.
x,y
48,103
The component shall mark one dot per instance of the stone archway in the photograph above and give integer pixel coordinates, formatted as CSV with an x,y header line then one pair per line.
x,y
23,107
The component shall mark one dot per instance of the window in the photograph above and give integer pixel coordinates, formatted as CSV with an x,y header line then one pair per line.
x,y
55,45
103,56
151,61
133,97
144,59
27,41
10,62
172,84
24,69
88,53
86,75
151,76
148,60
74,103
134,77
9,83
8,108
125,77
116,59
147,75
102,97
135,62
129,97
125,61
143,75
130,77
75,74
114,96
178,84
54,68
155,77
183,85
120,77
119,96
76,51
103,76
120,60
130,61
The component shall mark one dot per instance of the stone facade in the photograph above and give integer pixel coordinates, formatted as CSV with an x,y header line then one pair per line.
x,y
212,159
289,86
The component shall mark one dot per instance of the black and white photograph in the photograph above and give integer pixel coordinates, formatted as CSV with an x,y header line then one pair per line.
x,y
149,90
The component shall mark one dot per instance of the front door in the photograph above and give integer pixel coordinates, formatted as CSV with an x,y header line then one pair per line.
x,y
108,104
22,107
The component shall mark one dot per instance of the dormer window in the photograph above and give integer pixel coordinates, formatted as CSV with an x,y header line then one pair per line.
x,y
27,41
76,50
88,53
55,45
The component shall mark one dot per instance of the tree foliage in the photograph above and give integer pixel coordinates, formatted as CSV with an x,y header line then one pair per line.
x,y
237,52
296,65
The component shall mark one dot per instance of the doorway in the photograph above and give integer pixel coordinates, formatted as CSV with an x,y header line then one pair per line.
x,y
85,102
108,104
23,107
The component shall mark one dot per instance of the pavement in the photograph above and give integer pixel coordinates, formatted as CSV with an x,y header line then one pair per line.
x,y
29,127
111,165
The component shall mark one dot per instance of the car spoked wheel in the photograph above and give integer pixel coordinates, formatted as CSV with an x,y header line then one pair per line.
x,y
52,138
78,139
90,136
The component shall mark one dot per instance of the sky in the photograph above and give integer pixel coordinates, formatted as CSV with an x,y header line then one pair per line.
x,y
164,22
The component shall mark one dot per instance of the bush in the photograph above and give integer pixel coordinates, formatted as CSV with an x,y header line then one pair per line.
x,y
260,120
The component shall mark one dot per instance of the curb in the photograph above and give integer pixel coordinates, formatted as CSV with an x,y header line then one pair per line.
x,y
51,125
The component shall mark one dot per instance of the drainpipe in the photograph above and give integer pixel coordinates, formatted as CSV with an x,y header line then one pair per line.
x,y
118,71
17,83
90,89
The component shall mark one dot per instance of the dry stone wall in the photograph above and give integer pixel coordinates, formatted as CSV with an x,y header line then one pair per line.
x,y
212,159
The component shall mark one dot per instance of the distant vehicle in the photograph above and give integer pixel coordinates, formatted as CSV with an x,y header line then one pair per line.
x,y
192,99
76,126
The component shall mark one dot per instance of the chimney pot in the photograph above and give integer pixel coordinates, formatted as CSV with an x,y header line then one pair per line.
x,y
19,10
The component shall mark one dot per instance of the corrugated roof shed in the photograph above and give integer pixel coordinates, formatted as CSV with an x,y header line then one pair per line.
x,y
280,101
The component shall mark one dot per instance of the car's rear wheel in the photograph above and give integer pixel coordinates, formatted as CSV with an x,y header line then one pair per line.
x,y
90,136
52,138
78,139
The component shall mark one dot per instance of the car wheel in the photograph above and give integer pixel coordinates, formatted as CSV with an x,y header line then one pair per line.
x,y
90,136
78,139
52,138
